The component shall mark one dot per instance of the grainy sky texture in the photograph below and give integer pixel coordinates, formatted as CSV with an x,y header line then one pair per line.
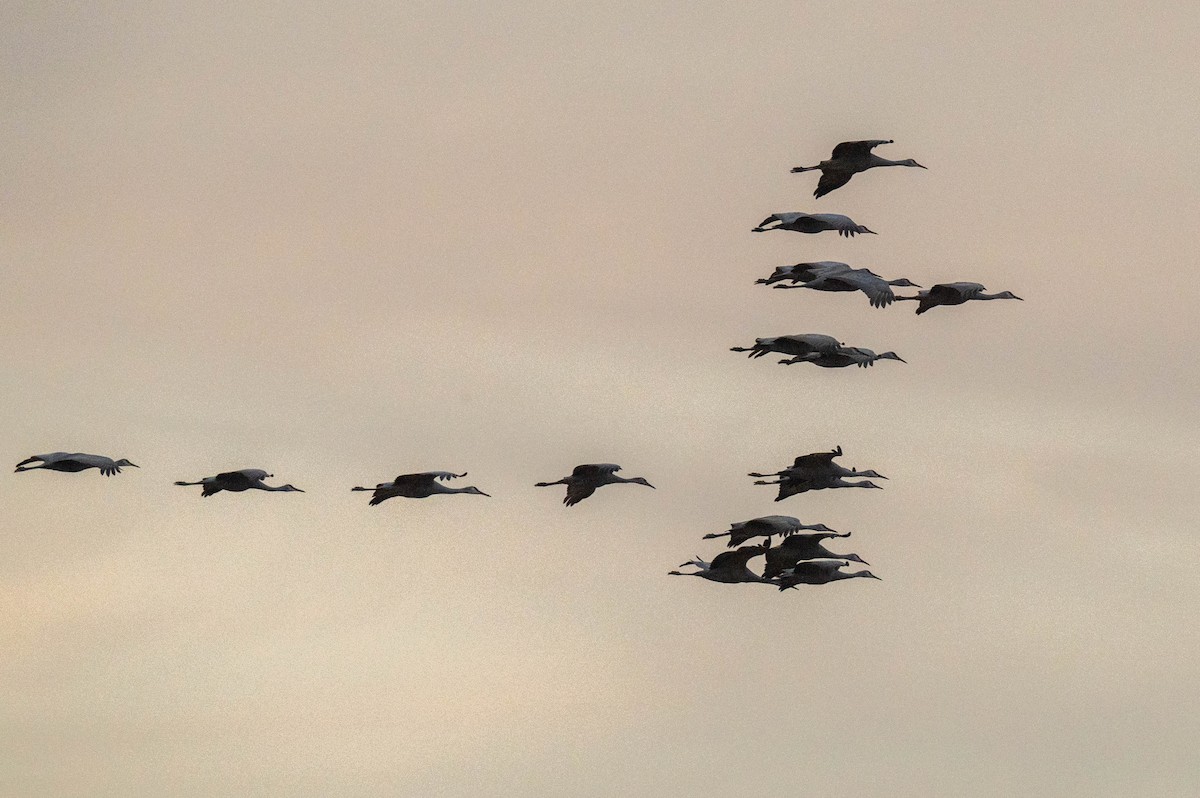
x,y
342,241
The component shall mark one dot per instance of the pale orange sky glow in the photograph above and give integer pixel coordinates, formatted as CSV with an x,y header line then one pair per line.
x,y
344,241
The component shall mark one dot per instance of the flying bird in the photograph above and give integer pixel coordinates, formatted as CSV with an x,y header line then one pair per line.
x,y
803,272
812,223
877,289
766,526
848,159
816,471
845,356
728,567
238,481
418,486
820,572
953,294
805,346
584,480
795,548
73,462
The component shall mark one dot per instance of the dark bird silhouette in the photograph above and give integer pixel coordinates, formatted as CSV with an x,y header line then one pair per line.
x,y
845,356
766,526
795,548
73,462
848,159
418,486
877,290
953,294
728,567
238,481
799,222
805,346
584,480
817,572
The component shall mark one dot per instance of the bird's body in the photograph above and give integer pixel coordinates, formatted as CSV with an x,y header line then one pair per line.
x,y
803,272
805,346
800,222
795,548
73,462
728,567
584,480
815,471
845,356
848,159
953,294
767,526
817,572
238,481
877,289
418,486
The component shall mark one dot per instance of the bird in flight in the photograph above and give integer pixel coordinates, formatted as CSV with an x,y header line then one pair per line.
x,y
848,159
73,462
418,486
953,294
799,222
238,481
584,480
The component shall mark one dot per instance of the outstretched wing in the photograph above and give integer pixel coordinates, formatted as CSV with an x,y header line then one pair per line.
x,y
831,179
429,476
578,491
878,292
857,149
593,470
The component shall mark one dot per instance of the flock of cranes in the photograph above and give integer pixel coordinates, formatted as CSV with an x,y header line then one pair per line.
x,y
801,557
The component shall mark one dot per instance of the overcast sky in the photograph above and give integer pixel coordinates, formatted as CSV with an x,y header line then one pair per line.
x,y
343,241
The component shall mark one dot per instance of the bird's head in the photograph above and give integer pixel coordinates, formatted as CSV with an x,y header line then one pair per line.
x,y
476,491
1008,295
903,282
642,481
911,162
864,229
891,356
855,558
123,462
867,574
290,488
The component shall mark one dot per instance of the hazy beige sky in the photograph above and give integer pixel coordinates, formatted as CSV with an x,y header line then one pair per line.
x,y
344,241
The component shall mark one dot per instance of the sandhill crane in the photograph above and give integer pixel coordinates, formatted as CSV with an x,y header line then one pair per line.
x,y
819,463
791,486
72,462
878,290
586,478
819,572
848,159
845,356
815,471
796,548
953,294
799,222
805,346
418,486
238,481
766,526
728,567
801,272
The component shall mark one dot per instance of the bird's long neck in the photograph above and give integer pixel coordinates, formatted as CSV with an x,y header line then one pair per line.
x,y
262,486
989,296
877,160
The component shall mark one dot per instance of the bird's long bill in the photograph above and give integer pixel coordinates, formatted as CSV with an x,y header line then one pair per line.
x,y
481,493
